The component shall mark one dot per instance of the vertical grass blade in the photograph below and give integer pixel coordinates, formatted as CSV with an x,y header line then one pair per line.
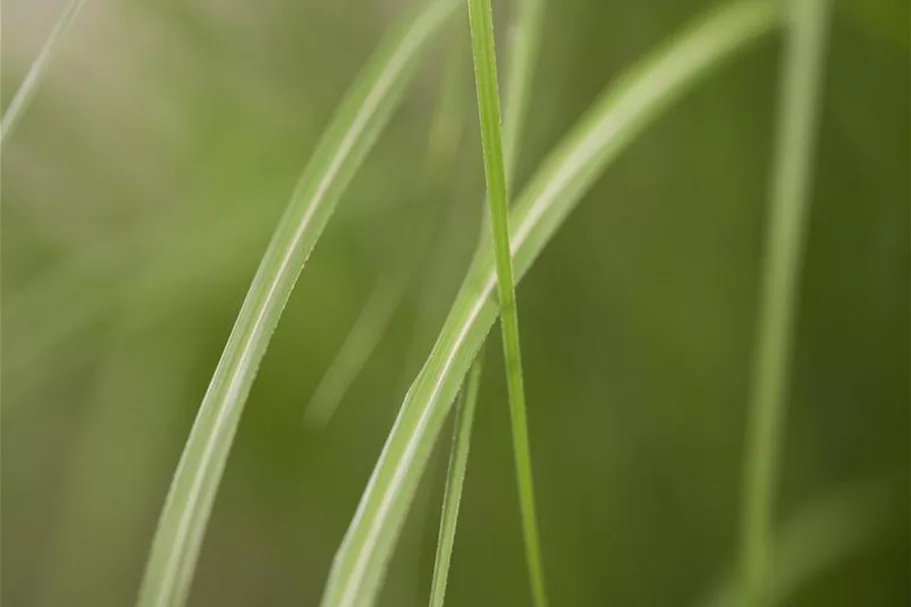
x,y
817,537
36,72
455,479
801,78
522,56
480,19
610,125
521,59
351,133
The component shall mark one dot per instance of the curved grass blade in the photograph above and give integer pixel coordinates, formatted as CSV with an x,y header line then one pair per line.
x,y
480,19
612,124
813,540
362,339
443,141
36,72
356,125
455,479
801,79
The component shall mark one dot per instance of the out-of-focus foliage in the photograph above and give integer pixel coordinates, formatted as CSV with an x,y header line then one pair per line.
x,y
139,192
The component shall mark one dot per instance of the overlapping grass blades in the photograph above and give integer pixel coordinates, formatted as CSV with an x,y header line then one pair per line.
x,y
607,129
455,479
522,56
357,123
480,18
789,202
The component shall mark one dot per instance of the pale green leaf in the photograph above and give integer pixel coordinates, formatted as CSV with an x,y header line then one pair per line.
x,y
607,129
357,123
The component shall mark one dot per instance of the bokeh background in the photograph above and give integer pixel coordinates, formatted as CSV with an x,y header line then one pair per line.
x,y
139,192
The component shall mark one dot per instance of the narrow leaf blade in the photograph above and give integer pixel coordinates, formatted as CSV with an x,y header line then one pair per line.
x,y
359,120
608,128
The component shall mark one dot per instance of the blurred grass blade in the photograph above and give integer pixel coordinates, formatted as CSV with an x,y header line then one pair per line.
x,y
362,339
522,56
351,133
455,479
480,17
819,536
443,141
613,123
36,72
800,84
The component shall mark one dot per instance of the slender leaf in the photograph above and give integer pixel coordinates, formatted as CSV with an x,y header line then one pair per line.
x,y
455,479
816,538
522,57
607,129
36,72
801,76
480,17
521,60
443,141
359,120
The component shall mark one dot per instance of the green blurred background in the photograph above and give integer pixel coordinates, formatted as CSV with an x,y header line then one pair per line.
x,y
141,188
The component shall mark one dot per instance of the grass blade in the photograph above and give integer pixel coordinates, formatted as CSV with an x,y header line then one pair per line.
x,y
520,70
817,537
443,141
36,72
522,57
455,479
613,123
359,120
480,17
801,76
362,339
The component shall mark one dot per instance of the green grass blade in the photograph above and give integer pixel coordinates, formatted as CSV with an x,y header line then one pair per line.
x,y
522,56
455,479
36,72
816,538
359,120
443,141
801,76
362,339
612,124
480,17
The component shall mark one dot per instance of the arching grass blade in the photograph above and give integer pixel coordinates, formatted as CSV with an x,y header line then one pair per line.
x,y
613,123
360,118
36,72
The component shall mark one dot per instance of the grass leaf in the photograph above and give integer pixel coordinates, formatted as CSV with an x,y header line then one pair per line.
x,y
521,59
36,72
351,133
800,84
613,123
443,140
817,537
455,479
480,17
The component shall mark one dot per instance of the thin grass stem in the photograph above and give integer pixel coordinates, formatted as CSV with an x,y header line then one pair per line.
x,y
455,479
805,42
37,71
480,17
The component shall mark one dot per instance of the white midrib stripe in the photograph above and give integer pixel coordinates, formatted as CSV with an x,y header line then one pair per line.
x,y
625,109
406,48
